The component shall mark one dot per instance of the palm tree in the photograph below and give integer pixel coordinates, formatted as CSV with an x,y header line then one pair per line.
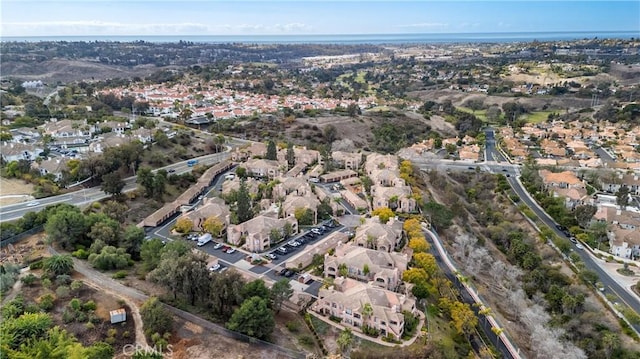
x,y
367,311
345,341
342,270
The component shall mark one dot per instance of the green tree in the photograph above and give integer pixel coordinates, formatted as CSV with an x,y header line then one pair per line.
x,y
272,152
106,230
110,258
304,216
439,215
244,211
255,288
280,291
155,317
226,292
66,227
58,265
112,184
145,179
253,318
291,156
150,252
132,241
330,133
622,196
584,214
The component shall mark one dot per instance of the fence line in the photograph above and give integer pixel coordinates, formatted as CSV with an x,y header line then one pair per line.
x,y
21,236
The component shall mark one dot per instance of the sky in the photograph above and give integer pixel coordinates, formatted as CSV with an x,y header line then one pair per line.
x,y
308,17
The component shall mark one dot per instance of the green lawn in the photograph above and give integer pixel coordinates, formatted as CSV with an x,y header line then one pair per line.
x,y
538,117
481,114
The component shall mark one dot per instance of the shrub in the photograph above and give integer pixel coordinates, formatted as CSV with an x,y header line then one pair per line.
x,y
292,326
120,274
81,317
306,340
75,304
76,285
370,331
89,305
46,282
36,265
32,308
62,292
112,332
89,326
29,279
46,302
68,316
333,318
63,279
81,253
126,334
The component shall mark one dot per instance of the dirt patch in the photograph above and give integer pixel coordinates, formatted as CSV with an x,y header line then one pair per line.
x,y
66,70
79,322
14,191
193,342
24,251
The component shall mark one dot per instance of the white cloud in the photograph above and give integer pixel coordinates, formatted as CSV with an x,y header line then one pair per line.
x,y
88,28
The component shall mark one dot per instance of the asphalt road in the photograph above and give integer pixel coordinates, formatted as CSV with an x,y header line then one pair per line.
x,y
89,195
611,286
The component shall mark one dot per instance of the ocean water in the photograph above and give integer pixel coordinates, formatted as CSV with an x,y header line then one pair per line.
x,y
501,37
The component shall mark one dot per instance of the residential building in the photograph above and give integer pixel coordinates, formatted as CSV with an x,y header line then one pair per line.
x,y
382,269
212,207
19,151
292,203
348,298
379,236
263,168
254,234
255,149
52,166
567,185
347,160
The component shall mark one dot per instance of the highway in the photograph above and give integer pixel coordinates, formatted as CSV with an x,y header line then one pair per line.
x,y
89,195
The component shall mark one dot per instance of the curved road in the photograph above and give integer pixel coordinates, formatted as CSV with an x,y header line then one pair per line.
x,y
611,286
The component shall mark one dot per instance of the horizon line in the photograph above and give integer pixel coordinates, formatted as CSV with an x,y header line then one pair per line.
x,y
344,34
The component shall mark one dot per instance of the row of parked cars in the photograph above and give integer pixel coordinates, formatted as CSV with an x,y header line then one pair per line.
x,y
312,235
226,249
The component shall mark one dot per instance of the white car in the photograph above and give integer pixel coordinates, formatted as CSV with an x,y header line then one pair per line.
x,y
217,246
231,250
33,203
214,267
579,246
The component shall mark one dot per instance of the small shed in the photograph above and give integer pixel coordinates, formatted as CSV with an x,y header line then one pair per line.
x,y
118,316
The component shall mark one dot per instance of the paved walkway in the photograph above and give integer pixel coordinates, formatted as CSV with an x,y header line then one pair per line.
x,y
371,339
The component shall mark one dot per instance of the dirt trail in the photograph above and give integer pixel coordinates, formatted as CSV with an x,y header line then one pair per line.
x,y
102,283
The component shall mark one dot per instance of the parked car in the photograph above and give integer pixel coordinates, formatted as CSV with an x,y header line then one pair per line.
x,y
215,267
272,256
282,250
225,248
288,273
282,271
231,250
573,239
579,246
316,231
218,246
